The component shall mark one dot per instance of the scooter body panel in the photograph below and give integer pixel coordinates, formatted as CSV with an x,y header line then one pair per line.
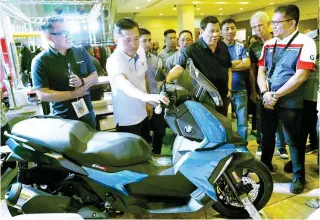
x,y
115,181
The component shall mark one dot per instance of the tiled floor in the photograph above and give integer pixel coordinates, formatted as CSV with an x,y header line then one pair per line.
x,y
282,205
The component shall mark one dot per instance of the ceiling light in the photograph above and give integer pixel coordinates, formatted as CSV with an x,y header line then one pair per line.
x,y
202,14
137,7
160,14
196,3
148,0
221,3
241,9
243,3
220,9
221,13
271,3
198,9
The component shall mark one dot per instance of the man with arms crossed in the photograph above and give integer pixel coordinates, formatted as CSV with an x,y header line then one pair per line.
x,y
63,74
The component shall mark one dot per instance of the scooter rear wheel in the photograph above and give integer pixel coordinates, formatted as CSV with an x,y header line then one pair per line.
x,y
256,176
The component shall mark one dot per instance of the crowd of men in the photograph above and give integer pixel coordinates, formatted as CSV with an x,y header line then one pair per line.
x,y
278,65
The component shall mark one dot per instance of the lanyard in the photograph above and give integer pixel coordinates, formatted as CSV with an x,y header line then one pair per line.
x,y
276,59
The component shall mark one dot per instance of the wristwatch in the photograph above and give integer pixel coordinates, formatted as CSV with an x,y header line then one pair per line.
x,y
82,81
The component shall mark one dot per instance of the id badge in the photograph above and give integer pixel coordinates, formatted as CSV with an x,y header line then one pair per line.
x,y
80,108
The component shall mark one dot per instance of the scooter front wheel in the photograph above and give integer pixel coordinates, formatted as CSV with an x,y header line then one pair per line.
x,y
258,184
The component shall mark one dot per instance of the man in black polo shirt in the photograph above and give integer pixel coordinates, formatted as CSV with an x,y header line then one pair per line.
x,y
211,56
62,74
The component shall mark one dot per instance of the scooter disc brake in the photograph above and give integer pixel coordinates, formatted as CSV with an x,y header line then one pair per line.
x,y
252,195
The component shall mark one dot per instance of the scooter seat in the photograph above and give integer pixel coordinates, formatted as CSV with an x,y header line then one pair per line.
x,y
76,140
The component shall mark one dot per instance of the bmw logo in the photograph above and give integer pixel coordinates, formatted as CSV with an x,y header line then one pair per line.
x,y
188,129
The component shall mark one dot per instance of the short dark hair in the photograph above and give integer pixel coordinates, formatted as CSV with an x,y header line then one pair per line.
x,y
144,31
186,31
47,26
169,31
209,19
290,11
228,21
124,24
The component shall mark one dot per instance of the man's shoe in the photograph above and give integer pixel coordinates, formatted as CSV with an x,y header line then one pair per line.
x,y
313,203
284,153
297,186
310,149
259,153
288,167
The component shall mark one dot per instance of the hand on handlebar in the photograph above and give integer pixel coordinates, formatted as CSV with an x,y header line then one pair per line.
x,y
157,98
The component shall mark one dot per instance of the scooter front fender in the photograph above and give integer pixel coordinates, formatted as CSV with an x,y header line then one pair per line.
x,y
199,167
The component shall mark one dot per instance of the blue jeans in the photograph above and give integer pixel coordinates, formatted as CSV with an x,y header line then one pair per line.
x,y
280,140
239,102
291,120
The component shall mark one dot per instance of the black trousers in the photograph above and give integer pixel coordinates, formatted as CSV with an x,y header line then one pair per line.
x,y
309,124
140,129
158,126
291,121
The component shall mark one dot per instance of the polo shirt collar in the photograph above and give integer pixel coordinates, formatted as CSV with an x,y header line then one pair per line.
x,y
168,50
54,51
287,39
204,44
126,56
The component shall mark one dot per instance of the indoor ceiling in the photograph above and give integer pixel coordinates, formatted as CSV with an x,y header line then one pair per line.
x,y
202,7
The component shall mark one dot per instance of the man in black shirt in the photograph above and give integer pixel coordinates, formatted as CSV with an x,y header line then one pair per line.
x,y
62,74
211,56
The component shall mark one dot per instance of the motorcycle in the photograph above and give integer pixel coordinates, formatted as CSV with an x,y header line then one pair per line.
x,y
103,174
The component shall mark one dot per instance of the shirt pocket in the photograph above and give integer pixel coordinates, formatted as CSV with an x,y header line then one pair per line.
x,y
81,69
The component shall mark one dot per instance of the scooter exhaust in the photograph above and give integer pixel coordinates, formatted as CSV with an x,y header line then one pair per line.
x,y
31,200
18,194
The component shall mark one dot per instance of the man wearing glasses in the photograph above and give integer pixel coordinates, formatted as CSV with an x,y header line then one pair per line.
x,y
284,65
63,74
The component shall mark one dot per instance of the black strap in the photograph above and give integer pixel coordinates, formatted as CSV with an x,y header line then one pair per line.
x,y
275,59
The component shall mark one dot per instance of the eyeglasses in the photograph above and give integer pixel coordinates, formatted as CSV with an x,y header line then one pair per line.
x,y
276,23
61,33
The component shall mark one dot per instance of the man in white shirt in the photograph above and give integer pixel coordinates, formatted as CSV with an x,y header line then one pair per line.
x,y
127,73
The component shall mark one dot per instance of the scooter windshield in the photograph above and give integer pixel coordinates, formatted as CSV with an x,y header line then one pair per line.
x,y
204,82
